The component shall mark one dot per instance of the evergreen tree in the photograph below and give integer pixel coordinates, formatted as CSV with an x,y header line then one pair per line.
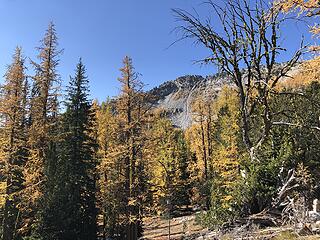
x,y
71,212
13,113
182,189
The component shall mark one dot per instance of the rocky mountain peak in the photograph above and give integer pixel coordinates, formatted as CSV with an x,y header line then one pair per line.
x,y
177,96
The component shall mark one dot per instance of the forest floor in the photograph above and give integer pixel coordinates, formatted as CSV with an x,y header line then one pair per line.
x,y
157,228
186,227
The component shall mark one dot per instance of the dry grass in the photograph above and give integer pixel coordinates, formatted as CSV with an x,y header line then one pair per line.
x,y
186,227
156,228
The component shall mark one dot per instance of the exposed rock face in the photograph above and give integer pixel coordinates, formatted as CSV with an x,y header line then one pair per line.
x,y
176,97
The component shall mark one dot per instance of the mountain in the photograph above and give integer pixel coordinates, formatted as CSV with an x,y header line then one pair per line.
x,y
177,96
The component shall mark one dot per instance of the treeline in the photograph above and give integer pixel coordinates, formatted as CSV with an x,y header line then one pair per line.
x,y
98,170
257,142
48,157
287,169
92,169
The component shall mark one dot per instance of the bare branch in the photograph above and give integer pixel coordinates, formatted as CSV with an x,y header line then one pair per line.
x,y
245,35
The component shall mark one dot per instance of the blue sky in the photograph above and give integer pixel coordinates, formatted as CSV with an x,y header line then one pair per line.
x,y
102,32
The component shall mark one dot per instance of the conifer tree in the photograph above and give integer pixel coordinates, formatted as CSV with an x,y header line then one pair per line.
x,y
42,123
13,113
164,163
255,47
169,166
227,154
305,8
122,140
129,107
109,181
183,185
71,213
200,138
215,136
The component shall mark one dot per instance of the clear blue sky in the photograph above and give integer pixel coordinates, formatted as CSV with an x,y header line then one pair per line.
x,y
102,32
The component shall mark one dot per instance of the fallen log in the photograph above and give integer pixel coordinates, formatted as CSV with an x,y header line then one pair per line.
x,y
266,218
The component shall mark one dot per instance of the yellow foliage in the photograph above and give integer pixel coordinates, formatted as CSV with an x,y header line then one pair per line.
x,y
308,72
226,154
162,159
221,138
302,5
311,8
3,186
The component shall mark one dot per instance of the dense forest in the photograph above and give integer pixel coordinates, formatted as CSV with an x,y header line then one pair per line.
x,y
74,168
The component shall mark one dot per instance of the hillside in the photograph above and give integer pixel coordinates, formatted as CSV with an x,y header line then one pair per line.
x,y
176,96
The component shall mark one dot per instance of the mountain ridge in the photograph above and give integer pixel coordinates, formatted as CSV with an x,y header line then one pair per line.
x,y
175,97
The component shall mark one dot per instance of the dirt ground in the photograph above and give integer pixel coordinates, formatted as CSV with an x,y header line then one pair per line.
x,y
156,228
